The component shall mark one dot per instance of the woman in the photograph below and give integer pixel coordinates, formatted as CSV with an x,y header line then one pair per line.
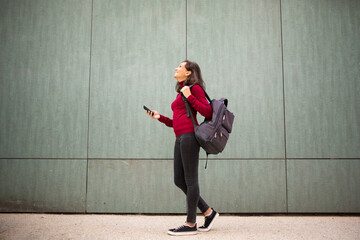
x,y
186,150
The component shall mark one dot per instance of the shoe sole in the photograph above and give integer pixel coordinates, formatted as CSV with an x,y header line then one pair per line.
x,y
210,226
182,233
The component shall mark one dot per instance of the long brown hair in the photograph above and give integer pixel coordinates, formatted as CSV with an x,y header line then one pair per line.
x,y
195,76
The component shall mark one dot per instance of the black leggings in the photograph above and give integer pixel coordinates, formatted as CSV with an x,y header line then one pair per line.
x,y
186,163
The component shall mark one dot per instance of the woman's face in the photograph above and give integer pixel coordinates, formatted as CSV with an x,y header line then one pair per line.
x,y
181,73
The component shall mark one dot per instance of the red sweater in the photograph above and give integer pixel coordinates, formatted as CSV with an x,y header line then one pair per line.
x,y
180,122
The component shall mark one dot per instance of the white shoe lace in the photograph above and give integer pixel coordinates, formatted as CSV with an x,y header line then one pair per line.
x,y
178,228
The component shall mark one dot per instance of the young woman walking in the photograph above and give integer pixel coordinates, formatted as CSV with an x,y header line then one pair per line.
x,y
186,150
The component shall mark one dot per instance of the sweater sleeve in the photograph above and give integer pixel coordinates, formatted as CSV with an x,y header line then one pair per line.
x,y
198,101
167,121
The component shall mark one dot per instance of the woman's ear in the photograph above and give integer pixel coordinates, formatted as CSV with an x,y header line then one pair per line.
x,y
188,73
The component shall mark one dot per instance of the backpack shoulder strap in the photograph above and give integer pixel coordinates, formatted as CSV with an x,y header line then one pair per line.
x,y
188,110
206,95
187,105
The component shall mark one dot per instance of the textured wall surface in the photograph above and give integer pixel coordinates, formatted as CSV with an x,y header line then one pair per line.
x,y
44,71
238,43
74,76
323,185
321,72
41,185
136,46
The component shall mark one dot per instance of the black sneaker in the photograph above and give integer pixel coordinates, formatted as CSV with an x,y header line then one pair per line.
x,y
183,230
209,221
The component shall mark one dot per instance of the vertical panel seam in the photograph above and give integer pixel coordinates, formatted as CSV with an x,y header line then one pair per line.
x,y
284,114
186,23
88,133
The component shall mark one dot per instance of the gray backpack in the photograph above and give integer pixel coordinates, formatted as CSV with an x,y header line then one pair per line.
x,y
213,134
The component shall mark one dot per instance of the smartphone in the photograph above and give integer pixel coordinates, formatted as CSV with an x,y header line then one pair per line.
x,y
147,109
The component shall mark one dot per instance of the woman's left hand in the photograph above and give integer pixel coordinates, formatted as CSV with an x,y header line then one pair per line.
x,y
186,91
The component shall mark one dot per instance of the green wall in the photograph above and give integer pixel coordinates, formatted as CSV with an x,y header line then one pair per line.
x,y
74,76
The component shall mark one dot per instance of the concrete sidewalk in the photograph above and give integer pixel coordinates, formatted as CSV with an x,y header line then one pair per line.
x,y
100,226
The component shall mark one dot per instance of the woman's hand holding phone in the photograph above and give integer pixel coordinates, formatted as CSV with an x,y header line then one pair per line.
x,y
152,113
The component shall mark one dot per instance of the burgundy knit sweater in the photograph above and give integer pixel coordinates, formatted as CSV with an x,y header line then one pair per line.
x,y
180,122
